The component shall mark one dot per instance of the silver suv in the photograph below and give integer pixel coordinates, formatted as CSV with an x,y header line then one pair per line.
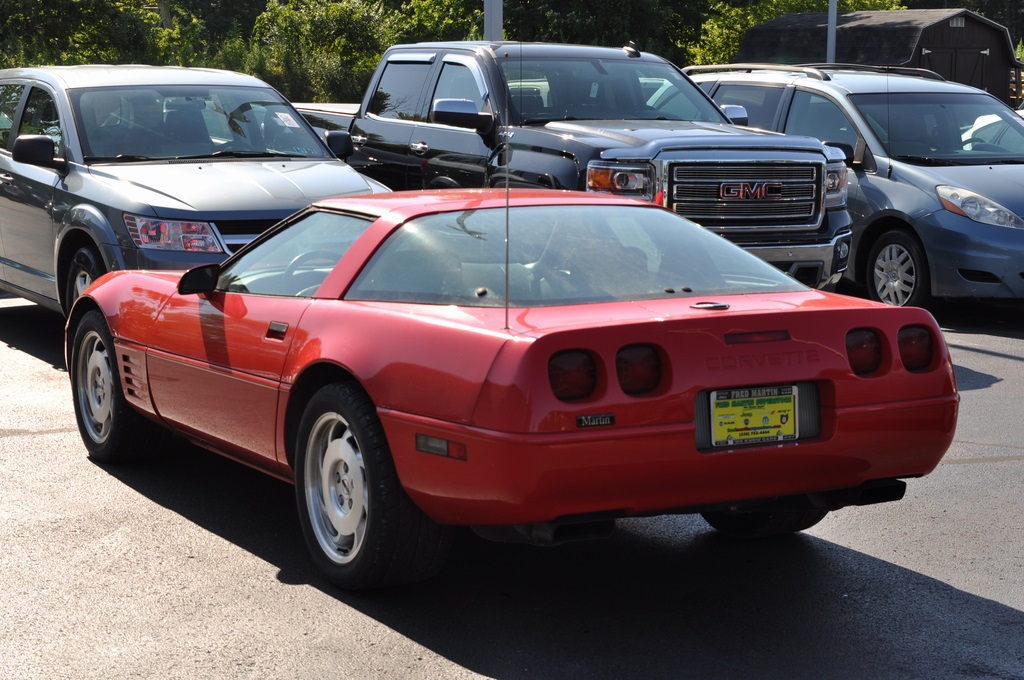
x,y
143,167
937,191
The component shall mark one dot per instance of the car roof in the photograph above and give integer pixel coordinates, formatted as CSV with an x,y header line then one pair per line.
x,y
412,203
530,50
113,75
850,79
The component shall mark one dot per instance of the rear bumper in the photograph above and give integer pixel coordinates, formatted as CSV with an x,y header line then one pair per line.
x,y
519,479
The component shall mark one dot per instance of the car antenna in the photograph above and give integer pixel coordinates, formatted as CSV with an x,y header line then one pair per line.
x,y
504,157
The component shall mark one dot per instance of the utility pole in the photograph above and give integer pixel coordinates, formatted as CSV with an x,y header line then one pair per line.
x,y
830,41
493,20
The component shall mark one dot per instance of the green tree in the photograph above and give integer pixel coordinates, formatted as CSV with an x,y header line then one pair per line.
x,y
424,20
723,31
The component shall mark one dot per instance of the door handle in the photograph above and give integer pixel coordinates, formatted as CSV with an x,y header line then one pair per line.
x,y
419,148
277,330
358,139
6,179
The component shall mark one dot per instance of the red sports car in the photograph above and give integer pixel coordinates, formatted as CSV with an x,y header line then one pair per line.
x,y
533,364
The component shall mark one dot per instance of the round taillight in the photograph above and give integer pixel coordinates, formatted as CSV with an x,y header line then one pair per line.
x,y
916,347
572,374
864,350
638,368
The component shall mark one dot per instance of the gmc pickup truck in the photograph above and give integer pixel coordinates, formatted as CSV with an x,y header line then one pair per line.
x,y
474,114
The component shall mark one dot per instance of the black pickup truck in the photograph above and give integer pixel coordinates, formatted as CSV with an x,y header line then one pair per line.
x,y
472,114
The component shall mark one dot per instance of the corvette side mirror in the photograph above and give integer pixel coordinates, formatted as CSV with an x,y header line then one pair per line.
x,y
202,279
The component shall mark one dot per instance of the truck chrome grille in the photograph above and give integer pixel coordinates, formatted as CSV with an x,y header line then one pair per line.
x,y
744,196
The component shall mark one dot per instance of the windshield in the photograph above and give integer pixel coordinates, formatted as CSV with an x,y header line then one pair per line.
x,y
601,89
125,124
944,129
559,255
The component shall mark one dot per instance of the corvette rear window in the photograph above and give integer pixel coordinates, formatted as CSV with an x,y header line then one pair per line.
x,y
557,255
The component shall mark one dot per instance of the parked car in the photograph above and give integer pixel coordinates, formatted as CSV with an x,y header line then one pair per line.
x,y
599,119
533,364
938,167
141,167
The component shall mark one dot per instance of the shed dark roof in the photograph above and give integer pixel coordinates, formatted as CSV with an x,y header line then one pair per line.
x,y
883,37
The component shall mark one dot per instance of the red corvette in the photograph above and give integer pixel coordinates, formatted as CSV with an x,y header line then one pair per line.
x,y
531,364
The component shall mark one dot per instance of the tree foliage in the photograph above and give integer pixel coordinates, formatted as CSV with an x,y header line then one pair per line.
x,y
326,50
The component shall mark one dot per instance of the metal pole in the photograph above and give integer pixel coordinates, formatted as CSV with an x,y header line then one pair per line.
x,y
493,20
830,43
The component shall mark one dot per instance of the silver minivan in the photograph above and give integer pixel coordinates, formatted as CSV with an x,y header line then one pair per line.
x,y
144,167
937,188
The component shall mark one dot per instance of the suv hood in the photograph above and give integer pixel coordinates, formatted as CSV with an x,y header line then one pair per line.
x,y
647,138
277,187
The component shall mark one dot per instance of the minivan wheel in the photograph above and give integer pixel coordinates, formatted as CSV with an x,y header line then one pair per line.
x,y
85,268
898,271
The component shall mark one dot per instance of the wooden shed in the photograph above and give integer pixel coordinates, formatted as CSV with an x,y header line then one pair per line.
x,y
959,44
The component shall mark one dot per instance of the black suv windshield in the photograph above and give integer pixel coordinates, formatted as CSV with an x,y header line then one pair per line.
x,y
124,124
604,89
944,129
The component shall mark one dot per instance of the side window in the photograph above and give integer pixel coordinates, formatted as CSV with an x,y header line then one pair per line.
x,y
398,92
10,95
816,116
456,82
40,118
760,102
295,261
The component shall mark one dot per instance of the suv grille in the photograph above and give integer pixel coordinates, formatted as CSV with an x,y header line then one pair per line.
x,y
738,196
236,233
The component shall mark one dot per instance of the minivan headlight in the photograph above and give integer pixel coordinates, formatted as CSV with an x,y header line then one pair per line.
x,y
191,237
977,207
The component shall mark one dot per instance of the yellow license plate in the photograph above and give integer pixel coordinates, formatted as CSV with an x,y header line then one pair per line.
x,y
754,415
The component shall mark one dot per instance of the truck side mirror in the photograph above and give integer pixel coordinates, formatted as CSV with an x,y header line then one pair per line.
x,y
461,113
736,114
340,143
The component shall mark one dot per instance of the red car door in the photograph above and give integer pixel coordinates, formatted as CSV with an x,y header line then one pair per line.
x,y
215,368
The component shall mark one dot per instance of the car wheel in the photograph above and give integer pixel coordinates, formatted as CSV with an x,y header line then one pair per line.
x,y
85,268
763,524
111,429
898,272
361,528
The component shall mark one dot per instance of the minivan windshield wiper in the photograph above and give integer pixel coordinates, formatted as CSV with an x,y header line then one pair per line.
x,y
925,160
235,153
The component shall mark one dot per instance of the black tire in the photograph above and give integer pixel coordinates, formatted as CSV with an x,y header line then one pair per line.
x,y
897,271
361,528
111,429
85,267
763,524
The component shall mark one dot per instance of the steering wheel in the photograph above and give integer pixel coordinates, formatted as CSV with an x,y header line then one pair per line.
x,y
310,256
979,144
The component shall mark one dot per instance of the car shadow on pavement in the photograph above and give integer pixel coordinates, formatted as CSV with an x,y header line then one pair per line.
x,y
662,598
34,330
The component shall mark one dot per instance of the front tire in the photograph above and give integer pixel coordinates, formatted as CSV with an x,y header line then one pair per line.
x,y
898,271
111,429
762,524
86,266
361,528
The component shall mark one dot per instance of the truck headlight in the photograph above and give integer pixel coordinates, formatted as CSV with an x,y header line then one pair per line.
x,y
623,180
977,207
835,185
191,237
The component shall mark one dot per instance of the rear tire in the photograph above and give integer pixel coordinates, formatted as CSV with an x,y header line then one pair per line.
x,y
111,429
763,524
360,527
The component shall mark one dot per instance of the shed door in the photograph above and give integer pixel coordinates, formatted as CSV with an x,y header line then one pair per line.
x,y
961,65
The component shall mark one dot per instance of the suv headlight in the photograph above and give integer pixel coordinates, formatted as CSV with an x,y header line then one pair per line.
x,y
835,185
620,179
977,207
191,237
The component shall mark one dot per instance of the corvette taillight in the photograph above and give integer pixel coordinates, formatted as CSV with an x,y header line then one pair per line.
x,y
916,348
638,368
572,374
864,350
